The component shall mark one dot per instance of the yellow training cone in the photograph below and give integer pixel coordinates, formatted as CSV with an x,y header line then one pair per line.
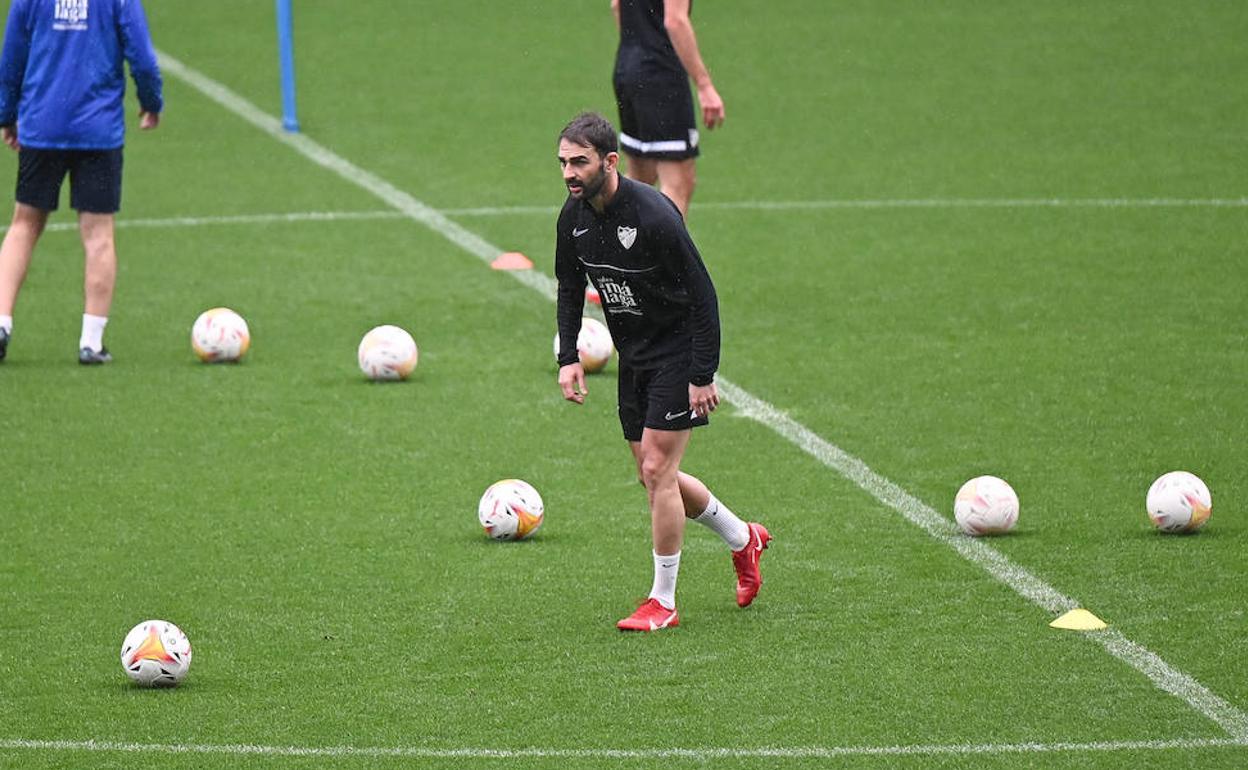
x,y
1079,620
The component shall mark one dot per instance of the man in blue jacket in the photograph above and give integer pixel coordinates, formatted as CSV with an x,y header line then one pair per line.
x,y
62,107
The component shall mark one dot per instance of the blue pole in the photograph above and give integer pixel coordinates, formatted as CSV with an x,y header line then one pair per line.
x,y
286,52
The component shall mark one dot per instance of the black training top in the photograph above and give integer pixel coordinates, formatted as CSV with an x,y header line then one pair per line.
x,y
645,49
658,299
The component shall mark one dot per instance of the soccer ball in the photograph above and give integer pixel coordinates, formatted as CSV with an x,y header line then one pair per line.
x,y
219,335
593,345
510,509
387,353
986,505
1179,501
156,654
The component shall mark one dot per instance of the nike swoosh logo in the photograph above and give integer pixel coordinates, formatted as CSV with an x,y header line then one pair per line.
x,y
669,416
578,233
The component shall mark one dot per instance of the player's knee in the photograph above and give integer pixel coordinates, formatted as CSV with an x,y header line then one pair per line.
x,y
29,220
655,471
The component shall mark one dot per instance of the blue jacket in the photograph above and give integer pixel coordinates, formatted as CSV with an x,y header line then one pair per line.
x,y
62,79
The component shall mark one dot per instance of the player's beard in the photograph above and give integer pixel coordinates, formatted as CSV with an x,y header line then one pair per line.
x,y
592,186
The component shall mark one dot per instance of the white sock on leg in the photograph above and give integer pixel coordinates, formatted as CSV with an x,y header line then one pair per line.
x,y
6,323
92,331
725,524
664,589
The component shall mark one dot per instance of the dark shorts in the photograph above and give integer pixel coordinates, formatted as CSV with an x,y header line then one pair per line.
x,y
94,179
656,398
657,118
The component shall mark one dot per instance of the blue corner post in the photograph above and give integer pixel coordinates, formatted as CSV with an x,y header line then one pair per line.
x,y
286,52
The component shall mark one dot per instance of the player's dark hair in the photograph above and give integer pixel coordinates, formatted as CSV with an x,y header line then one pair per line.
x,y
590,129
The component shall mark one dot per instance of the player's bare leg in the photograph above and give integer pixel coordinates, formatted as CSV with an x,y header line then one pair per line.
x,y
677,178
644,170
661,453
658,457
99,281
15,253
100,251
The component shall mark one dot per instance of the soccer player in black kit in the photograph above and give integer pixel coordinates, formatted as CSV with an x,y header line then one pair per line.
x,y
660,305
657,57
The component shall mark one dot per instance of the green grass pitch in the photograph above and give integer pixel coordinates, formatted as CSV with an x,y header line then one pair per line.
x,y
949,239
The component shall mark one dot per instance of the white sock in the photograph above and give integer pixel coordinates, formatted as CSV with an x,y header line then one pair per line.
x,y
92,331
725,524
665,569
6,323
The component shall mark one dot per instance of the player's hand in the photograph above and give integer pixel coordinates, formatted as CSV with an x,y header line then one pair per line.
x,y
572,382
712,106
148,120
703,399
9,135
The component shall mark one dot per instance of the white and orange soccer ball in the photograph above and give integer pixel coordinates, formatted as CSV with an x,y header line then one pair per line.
x,y
986,505
156,654
511,509
1179,501
593,345
387,353
220,335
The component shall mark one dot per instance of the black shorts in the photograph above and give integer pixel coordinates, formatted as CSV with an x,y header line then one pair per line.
x,y
94,179
656,118
656,398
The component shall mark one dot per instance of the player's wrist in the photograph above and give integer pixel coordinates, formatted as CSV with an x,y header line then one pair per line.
x,y
701,380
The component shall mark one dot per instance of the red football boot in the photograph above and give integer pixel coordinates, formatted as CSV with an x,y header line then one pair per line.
x,y
650,616
745,562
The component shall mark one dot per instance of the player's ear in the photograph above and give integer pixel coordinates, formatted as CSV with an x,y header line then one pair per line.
x,y
611,162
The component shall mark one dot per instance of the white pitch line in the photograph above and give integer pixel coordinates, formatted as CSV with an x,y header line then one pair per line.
x,y
703,754
1027,585
987,203
241,219
903,203
485,211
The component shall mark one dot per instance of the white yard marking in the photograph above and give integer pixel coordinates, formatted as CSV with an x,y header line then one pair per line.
x,y
1197,696
988,203
802,752
242,219
903,203
491,211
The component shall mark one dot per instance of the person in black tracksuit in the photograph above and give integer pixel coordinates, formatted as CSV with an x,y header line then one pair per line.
x,y
630,241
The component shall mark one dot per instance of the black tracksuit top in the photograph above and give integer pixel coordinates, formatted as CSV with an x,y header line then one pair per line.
x,y
657,296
